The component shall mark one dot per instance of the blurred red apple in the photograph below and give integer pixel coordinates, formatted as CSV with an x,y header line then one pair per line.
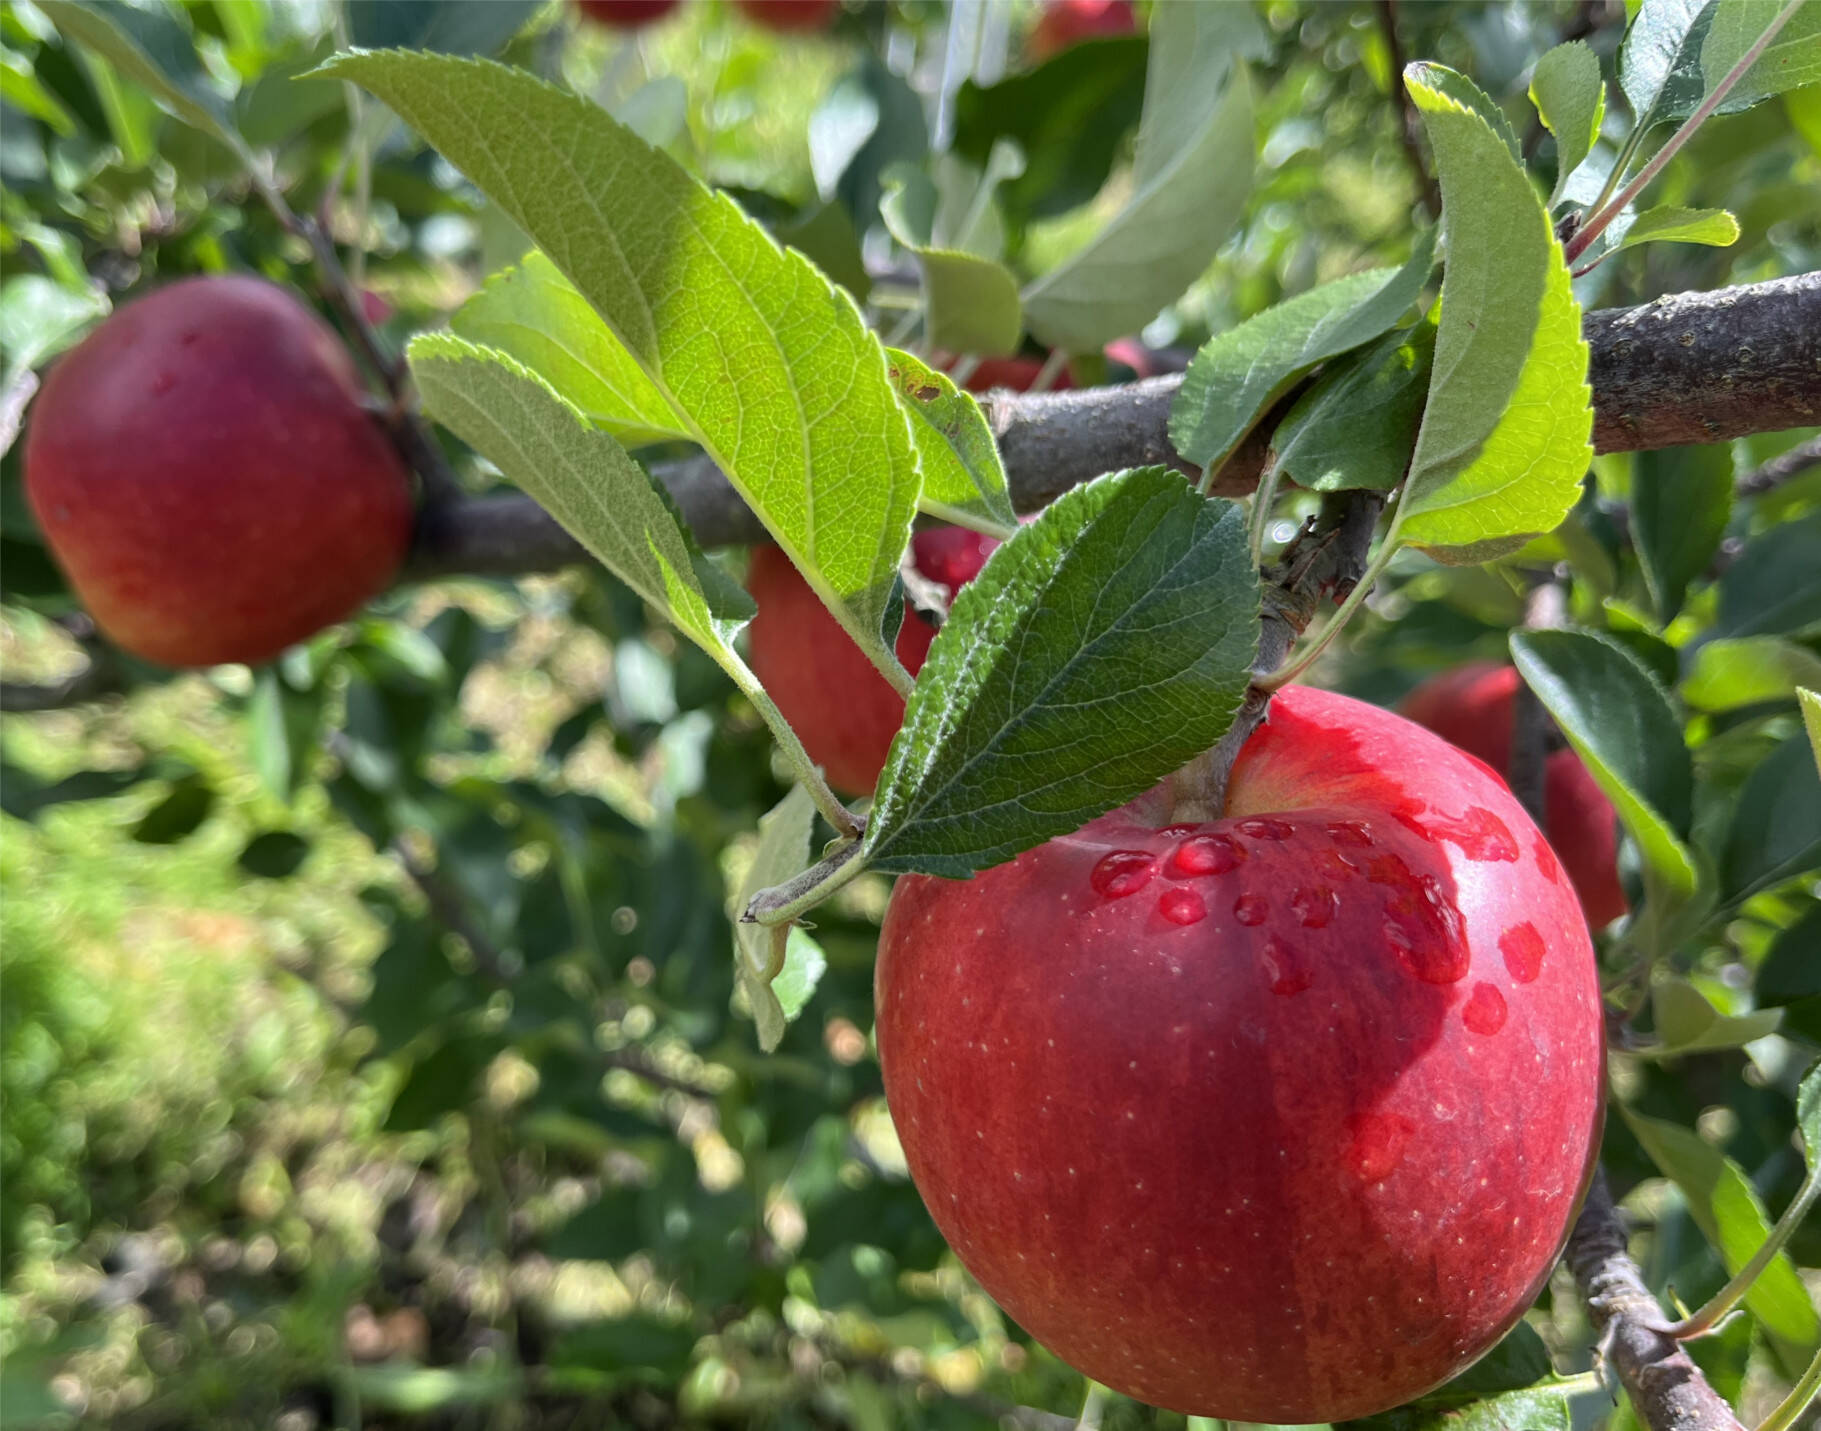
x,y
1472,707
790,16
1068,22
842,709
1282,1117
1016,373
625,14
206,475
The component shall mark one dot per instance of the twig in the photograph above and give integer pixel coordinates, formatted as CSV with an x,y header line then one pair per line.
x,y
1410,123
1784,467
1665,1386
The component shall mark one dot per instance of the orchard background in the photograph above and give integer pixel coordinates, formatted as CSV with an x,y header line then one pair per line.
x,y
377,1050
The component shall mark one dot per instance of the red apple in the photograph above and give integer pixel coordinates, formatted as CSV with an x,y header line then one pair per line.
x,y
842,709
790,16
625,14
1471,706
1282,1117
203,470
1067,22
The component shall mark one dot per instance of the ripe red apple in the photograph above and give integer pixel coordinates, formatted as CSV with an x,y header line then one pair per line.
x,y
842,709
1282,1117
790,16
1067,22
625,14
1471,706
204,472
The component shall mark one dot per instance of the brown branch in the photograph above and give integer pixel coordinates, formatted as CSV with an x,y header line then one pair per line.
x,y
1784,467
1410,123
1692,368
1665,1386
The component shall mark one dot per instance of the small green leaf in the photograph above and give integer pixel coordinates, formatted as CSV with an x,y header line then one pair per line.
x,y
1716,228
1811,719
778,996
1660,61
1774,585
1190,178
1504,441
276,854
971,304
1776,826
1727,1209
1103,646
1808,1114
535,314
770,366
1238,374
1570,99
1356,426
1729,674
1681,499
1620,721
178,814
963,480
1687,1023
1532,1409
39,318
584,479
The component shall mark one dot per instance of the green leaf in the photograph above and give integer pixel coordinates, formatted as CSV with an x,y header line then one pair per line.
x,y
40,317
1238,374
1776,827
1532,1409
949,223
1504,441
1620,721
776,996
1687,1023
457,27
1792,59
276,854
1519,1361
535,314
1727,1209
282,729
1715,228
971,304
871,120
1808,1114
1775,583
154,52
1102,647
1190,178
1570,99
1729,674
770,366
21,88
1660,62
1681,500
1356,425
178,814
419,1390
584,479
963,480
1811,719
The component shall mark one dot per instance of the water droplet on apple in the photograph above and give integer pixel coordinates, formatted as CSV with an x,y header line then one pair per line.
x,y
1546,860
1284,969
1250,909
1378,1144
1355,833
1206,855
1485,1010
1314,906
1121,873
1176,832
1332,862
1523,949
1182,906
1480,834
1261,828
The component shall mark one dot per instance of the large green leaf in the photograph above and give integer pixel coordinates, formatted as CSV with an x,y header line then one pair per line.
x,y
1238,374
1190,178
535,314
1774,585
1681,498
1618,718
1570,99
1776,827
1355,426
776,994
1504,441
1103,646
963,479
584,479
770,366
1727,1209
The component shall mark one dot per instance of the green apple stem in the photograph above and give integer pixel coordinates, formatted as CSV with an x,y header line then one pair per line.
x,y
783,904
1261,506
807,771
1710,1314
1338,622
1800,1398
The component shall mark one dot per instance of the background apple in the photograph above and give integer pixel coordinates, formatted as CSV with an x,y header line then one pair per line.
x,y
1016,373
790,16
841,707
1472,707
204,472
1067,22
1281,1118
625,14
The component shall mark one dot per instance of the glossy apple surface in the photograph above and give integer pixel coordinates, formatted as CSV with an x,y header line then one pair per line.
x,y
1280,1118
205,474
788,16
1068,22
842,709
625,14
1472,707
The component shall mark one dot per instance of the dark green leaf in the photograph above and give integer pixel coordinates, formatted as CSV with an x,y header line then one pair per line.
x,y
1104,646
441,1082
1357,425
1681,498
1776,829
633,1349
456,27
1519,1360
1537,1409
1792,969
178,814
23,795
1660,63
276,854
1774,586
871,120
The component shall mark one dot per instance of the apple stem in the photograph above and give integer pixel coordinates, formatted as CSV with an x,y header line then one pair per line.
x,y
843,821
1801,1396
1721,1304
782,904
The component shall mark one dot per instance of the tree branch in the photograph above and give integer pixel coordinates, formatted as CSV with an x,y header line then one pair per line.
x,y
1784,467
1665,1386
1691,368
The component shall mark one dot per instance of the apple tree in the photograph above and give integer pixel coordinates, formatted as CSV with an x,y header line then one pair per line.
x,y
991,713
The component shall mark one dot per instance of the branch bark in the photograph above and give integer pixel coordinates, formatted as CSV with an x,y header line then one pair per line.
x,y
1691,368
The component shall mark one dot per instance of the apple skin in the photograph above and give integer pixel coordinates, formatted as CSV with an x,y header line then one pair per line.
x,y
1471,706
205,474
790,16
1068,22
1016,373
841,708
1216,1138
625,14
